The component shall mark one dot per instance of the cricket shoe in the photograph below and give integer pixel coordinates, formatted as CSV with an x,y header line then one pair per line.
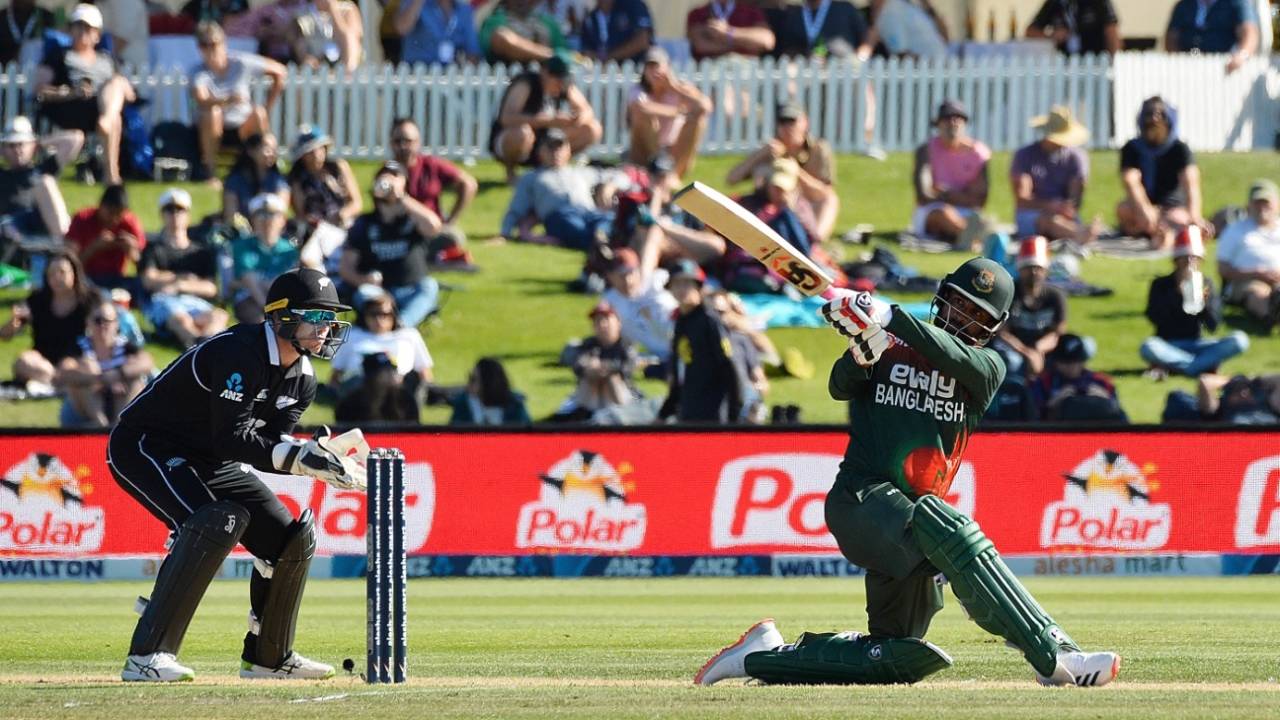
x,y
1083,669
731,661
155,667
294,667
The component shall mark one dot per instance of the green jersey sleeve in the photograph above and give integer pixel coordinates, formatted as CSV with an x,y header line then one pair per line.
x,y
846,375
978,369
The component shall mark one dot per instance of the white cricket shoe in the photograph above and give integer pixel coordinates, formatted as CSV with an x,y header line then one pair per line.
x,y
731,661
1083,669
295,667
155,667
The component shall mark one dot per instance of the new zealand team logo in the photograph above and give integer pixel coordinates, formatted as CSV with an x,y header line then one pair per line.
x,y
43,508
1106,503
583,504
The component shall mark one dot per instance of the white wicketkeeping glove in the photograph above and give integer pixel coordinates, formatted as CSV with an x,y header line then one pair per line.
x,y
352,449
339,461
852,314
867,346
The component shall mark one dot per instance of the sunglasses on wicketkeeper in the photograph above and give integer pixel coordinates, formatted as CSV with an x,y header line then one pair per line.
x,y
315,316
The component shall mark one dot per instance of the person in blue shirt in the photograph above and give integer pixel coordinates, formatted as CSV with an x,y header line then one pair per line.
x,y
617,30
437,32
1214,26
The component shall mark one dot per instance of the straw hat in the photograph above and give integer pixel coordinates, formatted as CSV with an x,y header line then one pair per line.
x,y
1060,127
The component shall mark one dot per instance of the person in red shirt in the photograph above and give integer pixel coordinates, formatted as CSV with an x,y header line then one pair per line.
x,y
722,27
428,178
108,238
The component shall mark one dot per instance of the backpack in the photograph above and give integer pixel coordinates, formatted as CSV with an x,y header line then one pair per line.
x,y
176,151
137,155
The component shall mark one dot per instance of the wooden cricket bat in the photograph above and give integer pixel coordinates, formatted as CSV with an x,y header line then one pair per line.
x,y
722,214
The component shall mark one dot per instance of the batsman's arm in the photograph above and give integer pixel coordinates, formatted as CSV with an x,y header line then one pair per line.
x,y
846,376
980,370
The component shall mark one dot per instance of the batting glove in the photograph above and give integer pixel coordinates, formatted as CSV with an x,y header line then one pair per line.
x,y
855,313
867,346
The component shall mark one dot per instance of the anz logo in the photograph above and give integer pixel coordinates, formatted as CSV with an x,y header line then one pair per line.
x,y
235,389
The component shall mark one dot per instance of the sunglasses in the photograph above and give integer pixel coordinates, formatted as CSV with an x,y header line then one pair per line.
x,y
208,45
172,209
315,317
381,313
100,320
401,141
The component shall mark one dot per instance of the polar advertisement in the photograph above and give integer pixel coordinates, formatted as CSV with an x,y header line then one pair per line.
x,y
703,494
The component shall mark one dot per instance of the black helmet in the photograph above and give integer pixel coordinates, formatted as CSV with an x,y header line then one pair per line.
x,y
986,284
300,290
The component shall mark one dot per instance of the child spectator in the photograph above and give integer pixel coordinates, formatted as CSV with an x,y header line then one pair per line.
x,y
57,314
180,278
378,332
256,171
488,399
604,365
704,384
108,239
1038,316
1069,391
106,373
259,258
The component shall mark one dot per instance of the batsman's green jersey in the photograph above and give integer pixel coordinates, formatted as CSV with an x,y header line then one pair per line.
x,y
913,411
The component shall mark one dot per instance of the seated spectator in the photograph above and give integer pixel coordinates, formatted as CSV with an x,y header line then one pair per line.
x,y
1249,256
1038,315
488,399
30,199
1078,27
105,375
429,177
1048,179
126,21
1239,400
78,88
617,30
379,339
560,196
533,104
437,32
322,188
908,28
817,177
23,23
818,28
729,27
390,247
1215,26
604,365
704,383
1069,391
57,313
517,32
1160,178
221,86
328,32
1178,305
108,239
644,307
259,258
752,350
180,278
665,114
950,178
256,171
774,203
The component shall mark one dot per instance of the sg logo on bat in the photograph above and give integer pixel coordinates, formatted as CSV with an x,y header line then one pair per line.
x,y
795,273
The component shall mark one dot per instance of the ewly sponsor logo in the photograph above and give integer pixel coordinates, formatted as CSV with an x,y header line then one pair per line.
x,y
582,505
1258,507
1107,504
43,508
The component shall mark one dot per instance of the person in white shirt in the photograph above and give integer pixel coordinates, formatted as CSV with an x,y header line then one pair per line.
x,y
1249,255
377,330
645,309
126,21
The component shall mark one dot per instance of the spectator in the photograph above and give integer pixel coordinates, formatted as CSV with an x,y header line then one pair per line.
x,y
379,332
560,196
1048,179
488,399
1178,305
57,313
1038,316
1069,391
322,188
817,176
126,22
516,32
1239,400
1160,179
1214,26
328,32
106,373
950,180
256,171
603,365
221,86
1078,27
818,28
773,203
569,14
665,113
78,88
180,278
272,24
430,176
108,239
752,350
617,30
1249,256
906,27
30,200
704,383
259,258
533,104
645,219
21,23
729,27
391,246
644,307
437,32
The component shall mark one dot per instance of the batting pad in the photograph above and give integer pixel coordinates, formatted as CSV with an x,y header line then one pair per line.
x,y
847,659
990,593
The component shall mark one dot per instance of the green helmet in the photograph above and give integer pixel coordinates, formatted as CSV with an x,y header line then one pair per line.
x,y
987,285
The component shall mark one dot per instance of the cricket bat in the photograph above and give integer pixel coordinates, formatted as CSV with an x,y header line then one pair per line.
x,y
722,214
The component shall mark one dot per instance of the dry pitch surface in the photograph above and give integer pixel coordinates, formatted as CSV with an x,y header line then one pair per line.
x,y
628,648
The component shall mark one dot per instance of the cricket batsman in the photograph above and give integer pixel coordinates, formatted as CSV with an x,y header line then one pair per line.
x,y
918,391
183,449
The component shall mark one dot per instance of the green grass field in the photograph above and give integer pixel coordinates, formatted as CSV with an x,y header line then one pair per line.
x,y
517,308
1192,648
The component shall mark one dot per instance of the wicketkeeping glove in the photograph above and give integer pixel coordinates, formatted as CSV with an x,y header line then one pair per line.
x,y
852,314
338,461
867,346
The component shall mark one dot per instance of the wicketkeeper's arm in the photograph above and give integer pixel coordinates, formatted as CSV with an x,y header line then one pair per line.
x,y
978,369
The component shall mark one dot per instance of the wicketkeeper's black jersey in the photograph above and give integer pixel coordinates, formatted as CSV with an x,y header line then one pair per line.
x,y
227,399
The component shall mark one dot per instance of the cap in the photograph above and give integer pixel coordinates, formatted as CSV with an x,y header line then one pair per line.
x,y
655,54
554,135
951,108
624,259
1189,242
686,269
310,138
1263,189
175,196
557,66
18,130
1070,348
602,308
393,168
789,111
1033,252
784,174
303,288
267,203
87,14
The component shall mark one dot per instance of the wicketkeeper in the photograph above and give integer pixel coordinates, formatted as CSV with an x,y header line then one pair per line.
x,y
918,391
183,449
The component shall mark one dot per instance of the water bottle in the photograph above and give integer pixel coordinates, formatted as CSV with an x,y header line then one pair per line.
x,y
1193,293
